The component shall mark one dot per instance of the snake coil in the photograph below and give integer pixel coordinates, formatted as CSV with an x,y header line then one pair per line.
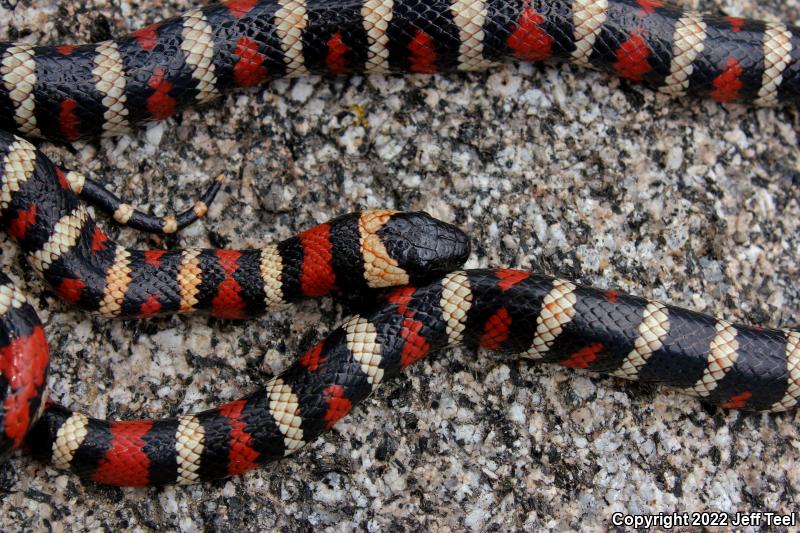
x,y
70,92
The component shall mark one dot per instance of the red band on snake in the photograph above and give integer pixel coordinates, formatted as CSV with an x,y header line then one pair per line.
x,y
541,318
66,93
40,210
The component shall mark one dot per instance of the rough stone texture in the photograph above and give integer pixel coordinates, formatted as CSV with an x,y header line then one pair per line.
x,y
554,168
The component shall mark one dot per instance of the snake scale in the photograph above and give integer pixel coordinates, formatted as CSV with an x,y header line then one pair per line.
x,y
77,92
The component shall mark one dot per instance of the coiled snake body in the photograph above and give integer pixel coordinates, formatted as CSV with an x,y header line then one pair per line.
x,y
66,93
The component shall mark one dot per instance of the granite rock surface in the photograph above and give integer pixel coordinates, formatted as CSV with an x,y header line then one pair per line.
x,y
556,169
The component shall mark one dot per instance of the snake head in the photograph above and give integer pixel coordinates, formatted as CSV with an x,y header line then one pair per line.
x,y
422,246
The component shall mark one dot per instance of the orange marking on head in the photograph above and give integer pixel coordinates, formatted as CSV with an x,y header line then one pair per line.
x,y
317,277
612,296
529,41
68,121
496,330
509,278
632,57
727,85
160,104
23,362
584,356
649,6
240,8
423,53
313,358
249,70
70,289
150,307
736,23
147,37
24,221
415,347
241,455
336,59
126,462
737,401
153,257
99,240
338,404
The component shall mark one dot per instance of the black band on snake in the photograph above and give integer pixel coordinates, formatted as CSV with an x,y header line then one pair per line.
x,y
541,318
544,319
40,210
70,92
65,93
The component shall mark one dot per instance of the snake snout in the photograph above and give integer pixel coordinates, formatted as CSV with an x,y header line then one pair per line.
x,y
423,246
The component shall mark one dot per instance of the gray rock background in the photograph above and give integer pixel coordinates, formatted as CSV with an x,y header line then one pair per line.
x,y
556,169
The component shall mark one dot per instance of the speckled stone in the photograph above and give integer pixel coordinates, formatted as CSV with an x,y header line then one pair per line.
x,y
556,169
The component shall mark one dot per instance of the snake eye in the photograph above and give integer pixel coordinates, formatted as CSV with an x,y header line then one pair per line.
x,y
423,246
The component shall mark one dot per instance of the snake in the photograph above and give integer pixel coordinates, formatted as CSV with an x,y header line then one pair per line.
x,y
68,93
350,254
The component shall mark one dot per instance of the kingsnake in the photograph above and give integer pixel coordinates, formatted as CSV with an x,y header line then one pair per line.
x,y
102,90
542,318
40,210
